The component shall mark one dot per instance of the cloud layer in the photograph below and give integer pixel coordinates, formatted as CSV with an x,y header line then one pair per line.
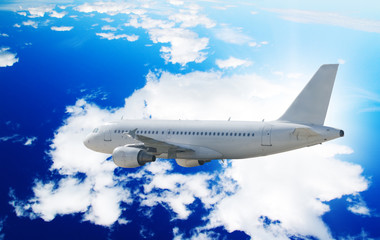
x,y
270,197
7,58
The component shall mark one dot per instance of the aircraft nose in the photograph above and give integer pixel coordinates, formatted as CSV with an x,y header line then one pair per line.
x,y
87,141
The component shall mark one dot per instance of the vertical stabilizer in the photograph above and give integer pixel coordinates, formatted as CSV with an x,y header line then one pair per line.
x,y
311,105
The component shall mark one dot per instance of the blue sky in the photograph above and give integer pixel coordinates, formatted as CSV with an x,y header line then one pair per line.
x,y
66,67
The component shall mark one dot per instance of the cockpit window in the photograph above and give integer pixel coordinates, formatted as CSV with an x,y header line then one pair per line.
x,y
95,130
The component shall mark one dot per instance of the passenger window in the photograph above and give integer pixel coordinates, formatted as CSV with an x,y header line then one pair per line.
x,y
239,134
222,134
115,131
201,133
218,134
230,134
163,132
197,133
235,134
243,134
253,134
247,134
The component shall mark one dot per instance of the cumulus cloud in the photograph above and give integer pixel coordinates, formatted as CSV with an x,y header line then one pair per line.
x,y
98,195
271,197
4,35
61,29
329,18
109,20
185,45
192,18
232,63
111,8
17,25
57,14
288,192
358,206
112,36
30,23
7,58
39,11
29,141
108,28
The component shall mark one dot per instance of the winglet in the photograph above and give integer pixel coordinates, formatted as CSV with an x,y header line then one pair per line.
x,y
311,105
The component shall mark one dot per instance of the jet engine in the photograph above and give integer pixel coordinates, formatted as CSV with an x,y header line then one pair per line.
x,y
128,157
190,163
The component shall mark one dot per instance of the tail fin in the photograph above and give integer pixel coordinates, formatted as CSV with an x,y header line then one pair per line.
x,y
311,104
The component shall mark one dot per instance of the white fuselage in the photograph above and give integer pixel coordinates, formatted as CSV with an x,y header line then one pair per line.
x,y
212,139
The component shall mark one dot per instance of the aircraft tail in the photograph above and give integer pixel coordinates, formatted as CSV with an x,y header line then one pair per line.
x,y
311,105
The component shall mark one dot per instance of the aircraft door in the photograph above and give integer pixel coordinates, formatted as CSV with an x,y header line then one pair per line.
x,y
266,135
107,135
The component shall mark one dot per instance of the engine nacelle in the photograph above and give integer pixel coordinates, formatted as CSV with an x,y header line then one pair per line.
x,y
190,163
128,157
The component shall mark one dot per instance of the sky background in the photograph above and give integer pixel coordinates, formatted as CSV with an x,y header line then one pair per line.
x,y
67,67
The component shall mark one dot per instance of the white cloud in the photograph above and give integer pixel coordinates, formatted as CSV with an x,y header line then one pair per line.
x,y
29,141
358,206
109,20
16,138
232,63
329,18
185,45
341,61
7,58
17,25
112,36
22,13
98,196
108,28
192,19
232,35
290,190
61,29
176,2
30,23
4,35
111,8
39,11
57,14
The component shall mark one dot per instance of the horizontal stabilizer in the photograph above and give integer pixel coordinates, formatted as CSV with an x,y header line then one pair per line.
x,y
311,105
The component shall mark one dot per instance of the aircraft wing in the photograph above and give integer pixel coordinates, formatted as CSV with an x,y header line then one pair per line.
x,y
157,146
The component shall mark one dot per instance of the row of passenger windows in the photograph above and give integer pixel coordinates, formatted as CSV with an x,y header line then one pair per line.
x,y
192,133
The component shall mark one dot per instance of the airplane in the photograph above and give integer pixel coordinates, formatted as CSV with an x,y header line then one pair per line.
x,y
133,143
